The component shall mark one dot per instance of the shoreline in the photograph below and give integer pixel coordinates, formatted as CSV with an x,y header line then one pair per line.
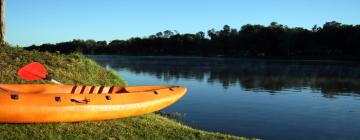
x,y
231,58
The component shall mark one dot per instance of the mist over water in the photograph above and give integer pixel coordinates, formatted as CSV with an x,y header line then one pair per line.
x,y
255,98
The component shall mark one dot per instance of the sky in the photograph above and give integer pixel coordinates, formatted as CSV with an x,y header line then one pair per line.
x,y
51,21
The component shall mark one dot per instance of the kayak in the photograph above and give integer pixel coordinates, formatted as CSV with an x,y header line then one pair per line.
x,y
45,103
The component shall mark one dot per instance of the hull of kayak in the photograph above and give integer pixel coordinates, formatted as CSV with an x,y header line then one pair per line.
x,y
66,103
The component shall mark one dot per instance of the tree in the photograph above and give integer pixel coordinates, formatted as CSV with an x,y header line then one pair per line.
x,y
2,21
168,34
212,33
226,28
159,34
200,35
332,24
315,28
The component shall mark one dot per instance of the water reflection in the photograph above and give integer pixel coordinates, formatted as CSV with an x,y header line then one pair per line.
x,y
330,78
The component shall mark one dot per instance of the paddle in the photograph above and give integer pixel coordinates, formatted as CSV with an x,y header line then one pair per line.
x,y
35,71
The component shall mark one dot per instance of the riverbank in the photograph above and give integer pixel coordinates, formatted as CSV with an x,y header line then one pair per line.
x,y
72,69
216,58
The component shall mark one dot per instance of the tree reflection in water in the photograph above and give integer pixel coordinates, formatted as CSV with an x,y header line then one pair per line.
x,y
330,78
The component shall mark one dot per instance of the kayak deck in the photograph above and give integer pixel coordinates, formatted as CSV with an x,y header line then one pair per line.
x,y
74,89
68,103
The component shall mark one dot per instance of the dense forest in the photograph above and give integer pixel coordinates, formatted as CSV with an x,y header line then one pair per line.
x,y
333,40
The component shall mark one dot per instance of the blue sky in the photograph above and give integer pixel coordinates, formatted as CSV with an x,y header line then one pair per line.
x,y
51,21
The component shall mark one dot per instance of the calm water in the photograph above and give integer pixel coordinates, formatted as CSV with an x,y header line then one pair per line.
x,y
254,98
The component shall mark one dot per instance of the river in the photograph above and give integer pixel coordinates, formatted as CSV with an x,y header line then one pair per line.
x,y
267,99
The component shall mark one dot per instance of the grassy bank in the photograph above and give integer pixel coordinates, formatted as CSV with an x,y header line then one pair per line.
x,y
75,69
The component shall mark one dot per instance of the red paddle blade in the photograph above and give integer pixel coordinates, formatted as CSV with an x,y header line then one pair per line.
x,y
32,71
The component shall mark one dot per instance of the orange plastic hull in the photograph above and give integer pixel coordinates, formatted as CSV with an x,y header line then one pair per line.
x,y
44,103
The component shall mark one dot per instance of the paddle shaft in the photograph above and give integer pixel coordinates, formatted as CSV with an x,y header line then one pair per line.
x,y
55,82
52,80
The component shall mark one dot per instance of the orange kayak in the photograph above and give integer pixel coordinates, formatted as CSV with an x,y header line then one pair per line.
x,y
43,103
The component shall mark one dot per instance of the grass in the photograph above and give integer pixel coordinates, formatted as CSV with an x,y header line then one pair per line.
x,y
71,69
76,69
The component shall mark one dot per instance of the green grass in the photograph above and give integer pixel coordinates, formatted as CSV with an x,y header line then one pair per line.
x,y
71,69
76,69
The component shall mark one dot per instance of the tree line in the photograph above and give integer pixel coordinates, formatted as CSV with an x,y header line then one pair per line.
x,y
333,40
